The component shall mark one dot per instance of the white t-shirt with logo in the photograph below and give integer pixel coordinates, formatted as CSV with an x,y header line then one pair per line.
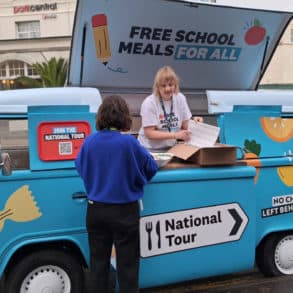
x,y
152,114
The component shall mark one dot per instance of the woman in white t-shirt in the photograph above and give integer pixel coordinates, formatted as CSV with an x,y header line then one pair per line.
x,y
165,113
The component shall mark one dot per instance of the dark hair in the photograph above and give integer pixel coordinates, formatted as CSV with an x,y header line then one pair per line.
x,y
113,112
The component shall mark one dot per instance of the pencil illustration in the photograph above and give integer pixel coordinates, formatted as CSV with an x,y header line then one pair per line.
x,y
101,37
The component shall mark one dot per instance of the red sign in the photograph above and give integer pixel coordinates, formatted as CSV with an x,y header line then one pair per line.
x,y
35,8
61,140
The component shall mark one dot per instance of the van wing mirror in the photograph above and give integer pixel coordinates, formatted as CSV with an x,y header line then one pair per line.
x,y
5,164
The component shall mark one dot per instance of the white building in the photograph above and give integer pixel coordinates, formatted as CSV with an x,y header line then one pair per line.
x,y
280,69
32,31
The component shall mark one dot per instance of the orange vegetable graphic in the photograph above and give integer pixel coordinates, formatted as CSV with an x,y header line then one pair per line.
x,y
252,151
286,174
278,129
253,160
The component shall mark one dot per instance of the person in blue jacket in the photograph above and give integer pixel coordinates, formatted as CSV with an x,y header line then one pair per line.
x,y
114,168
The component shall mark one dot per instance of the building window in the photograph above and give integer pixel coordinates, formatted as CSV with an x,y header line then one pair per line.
x,y
28,30
3,70
16,68
10,70
31,71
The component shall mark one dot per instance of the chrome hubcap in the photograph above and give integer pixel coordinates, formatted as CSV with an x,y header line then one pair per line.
x,y
46,279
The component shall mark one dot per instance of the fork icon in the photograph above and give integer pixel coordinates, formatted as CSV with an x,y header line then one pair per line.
x,y
149,228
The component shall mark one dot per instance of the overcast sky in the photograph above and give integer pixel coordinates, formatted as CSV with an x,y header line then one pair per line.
x,y
284,5
267,4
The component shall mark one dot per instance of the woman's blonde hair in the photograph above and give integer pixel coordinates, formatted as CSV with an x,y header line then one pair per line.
x,y
165,74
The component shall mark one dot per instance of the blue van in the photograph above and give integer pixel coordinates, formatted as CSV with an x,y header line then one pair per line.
x,y
196,218
42,229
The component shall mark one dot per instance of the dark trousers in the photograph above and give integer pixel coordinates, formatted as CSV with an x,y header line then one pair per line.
x,y
118,224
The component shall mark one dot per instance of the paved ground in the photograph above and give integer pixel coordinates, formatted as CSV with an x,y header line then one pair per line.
x,y
251,282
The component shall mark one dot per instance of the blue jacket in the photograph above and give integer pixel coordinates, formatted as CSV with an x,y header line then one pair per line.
x,y
114,167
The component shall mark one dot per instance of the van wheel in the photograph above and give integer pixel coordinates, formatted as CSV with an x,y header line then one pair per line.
x,y
46,271
275,255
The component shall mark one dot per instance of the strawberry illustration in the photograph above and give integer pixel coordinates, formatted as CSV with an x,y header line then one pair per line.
x,y
255,34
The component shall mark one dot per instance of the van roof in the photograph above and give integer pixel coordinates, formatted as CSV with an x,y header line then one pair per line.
x,y
225,101
17,101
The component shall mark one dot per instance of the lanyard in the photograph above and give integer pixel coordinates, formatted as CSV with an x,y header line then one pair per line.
x,y
167,117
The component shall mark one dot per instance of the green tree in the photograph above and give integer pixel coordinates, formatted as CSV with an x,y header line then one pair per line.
x,y
52,73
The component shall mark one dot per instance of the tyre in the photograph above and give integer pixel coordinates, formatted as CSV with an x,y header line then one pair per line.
x,y
275,255
46,271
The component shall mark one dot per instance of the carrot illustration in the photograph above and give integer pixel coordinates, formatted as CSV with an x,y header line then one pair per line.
x,y
251,156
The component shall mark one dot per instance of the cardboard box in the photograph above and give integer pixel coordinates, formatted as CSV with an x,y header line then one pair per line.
x,y
219,154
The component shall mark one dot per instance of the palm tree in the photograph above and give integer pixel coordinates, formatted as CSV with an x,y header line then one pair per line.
x,y
52,73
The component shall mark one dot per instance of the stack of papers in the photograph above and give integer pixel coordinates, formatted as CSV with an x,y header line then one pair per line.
x,y
202,134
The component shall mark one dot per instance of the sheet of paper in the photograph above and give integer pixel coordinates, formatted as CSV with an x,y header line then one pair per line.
x,y
202,134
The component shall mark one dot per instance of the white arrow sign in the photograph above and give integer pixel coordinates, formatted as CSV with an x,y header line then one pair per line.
x,y
170,232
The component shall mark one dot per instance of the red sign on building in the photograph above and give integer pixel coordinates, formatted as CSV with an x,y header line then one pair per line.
x,y
35,8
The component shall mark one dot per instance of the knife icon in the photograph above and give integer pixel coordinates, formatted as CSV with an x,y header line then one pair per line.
x,y
158,233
